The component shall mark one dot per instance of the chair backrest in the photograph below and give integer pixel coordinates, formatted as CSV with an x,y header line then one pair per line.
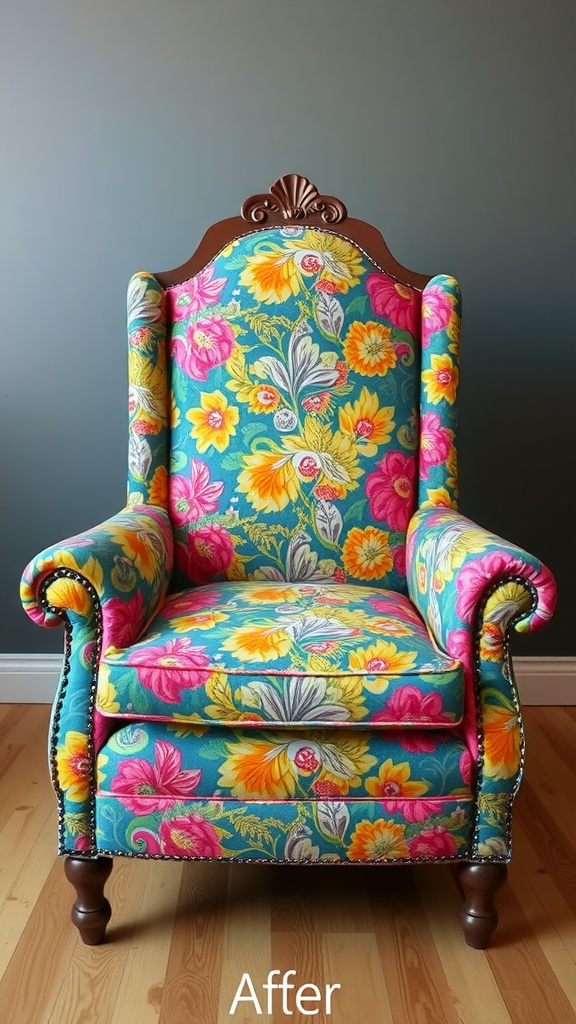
x,y
292,346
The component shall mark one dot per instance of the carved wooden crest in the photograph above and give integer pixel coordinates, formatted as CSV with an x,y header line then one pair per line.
x,y
293,197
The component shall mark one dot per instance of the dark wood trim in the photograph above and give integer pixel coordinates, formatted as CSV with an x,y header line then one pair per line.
x,y
478,915
91,911
293,202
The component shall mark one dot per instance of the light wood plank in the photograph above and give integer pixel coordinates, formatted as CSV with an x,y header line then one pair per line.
x,y
467,971
558,911
20,833
559,958
246,945
139,996
346,956
303,953
192,985
552,781
528,985
31,875
548,838
24,781
37,970
415,981
558,728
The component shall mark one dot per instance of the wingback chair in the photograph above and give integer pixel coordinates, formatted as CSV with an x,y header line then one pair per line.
x,y
290,646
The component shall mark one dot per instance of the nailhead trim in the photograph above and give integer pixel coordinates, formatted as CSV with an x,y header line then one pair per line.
x,y
72,574
465,856
477,859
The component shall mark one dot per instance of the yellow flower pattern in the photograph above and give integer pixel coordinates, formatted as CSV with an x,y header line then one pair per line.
x,y
214,422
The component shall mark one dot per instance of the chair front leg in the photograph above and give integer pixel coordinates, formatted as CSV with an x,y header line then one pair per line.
x,y
478,915
91,911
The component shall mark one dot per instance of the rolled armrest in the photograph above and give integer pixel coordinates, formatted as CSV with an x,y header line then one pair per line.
x,y
454,567
124,564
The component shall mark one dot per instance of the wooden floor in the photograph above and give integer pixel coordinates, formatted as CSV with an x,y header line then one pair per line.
x,y
182,937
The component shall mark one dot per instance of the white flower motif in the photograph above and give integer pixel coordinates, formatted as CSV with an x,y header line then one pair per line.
x,y
284,419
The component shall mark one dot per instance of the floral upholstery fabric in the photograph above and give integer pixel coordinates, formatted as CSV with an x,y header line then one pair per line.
x,y
294,404
293,416
329,794
150,765
285,654
439,379
471,587
355,831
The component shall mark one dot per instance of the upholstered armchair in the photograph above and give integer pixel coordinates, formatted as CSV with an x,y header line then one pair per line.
x,y
290,646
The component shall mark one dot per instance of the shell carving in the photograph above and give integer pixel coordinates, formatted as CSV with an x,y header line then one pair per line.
x,y
293,197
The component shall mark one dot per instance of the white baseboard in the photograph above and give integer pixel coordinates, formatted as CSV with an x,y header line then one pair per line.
x,y
546,680
29,678
32,679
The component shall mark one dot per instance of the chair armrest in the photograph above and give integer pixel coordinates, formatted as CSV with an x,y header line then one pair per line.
x,y
455,567
471,587
123,565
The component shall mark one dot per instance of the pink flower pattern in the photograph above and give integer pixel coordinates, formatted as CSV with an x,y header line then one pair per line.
x,y
474,577
168,669
395,301
123,621
435,443
399,557
466,767
433,842
208,553
413,810
142,787
189,836
436,311
409,704
414,742
208,343
193,295
390,490
190,499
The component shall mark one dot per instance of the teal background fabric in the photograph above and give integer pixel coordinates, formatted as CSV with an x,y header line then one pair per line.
x,y
444,124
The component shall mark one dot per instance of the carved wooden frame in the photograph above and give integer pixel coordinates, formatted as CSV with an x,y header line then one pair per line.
x,y
293,201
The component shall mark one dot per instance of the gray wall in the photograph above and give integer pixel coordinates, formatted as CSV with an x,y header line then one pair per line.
x,y
130,125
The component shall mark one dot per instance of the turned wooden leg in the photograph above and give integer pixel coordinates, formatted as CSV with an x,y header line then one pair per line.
x,y
478,916
91,911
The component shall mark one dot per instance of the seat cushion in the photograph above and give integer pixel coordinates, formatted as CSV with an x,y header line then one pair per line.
x,y
152,765
189,791
285,655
